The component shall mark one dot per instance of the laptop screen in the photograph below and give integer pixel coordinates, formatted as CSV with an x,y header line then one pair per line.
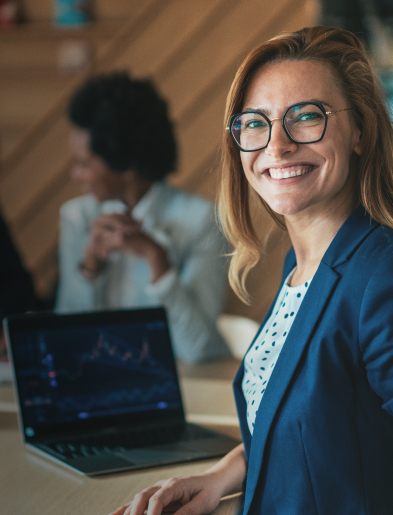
x,y
93,370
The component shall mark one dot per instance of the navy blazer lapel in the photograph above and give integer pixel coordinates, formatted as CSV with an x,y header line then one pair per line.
x,y
349,237
298,338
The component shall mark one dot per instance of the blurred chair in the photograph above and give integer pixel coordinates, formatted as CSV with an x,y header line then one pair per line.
x,y
238,332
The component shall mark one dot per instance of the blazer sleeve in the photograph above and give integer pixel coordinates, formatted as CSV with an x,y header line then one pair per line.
x,y
376,330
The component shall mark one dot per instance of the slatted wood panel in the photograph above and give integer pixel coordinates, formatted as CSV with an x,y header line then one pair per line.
x,y
36,46
30,77
21,104
191,50
177,31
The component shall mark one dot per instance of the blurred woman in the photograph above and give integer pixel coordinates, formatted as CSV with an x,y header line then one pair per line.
x,y
133,240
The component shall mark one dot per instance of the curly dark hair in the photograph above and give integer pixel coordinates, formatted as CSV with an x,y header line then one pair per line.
x,y
128,124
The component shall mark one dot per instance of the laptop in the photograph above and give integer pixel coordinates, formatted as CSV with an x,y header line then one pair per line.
x,y
99,392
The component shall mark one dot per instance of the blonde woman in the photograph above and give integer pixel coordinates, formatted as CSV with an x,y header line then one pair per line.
x,y
309,133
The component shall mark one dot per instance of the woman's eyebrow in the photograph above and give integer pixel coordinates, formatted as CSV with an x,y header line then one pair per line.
x,y
256,109
319,101
265,111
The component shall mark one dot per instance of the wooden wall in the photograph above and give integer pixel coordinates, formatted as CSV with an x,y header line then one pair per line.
x,y
191,49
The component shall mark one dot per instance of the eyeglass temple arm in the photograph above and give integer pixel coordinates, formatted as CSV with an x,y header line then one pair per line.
x,y
339,110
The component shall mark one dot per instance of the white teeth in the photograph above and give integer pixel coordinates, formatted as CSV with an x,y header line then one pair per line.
x,y
286,175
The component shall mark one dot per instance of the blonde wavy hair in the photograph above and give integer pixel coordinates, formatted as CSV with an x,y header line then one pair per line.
x,y
343,53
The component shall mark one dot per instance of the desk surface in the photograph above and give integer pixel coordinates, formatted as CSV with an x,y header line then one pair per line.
x,y
224,369
30,484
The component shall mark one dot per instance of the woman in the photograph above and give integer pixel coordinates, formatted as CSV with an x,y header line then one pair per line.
x,y
133,240
314,392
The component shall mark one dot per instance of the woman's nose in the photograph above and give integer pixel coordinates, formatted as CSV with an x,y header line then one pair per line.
x,y
280,142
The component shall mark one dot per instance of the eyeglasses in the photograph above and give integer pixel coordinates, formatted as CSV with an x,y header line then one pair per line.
x,y
303,123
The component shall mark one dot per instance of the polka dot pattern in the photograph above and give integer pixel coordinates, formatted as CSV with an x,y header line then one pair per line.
x,y
262,356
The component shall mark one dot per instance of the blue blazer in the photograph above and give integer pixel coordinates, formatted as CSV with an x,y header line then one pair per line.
x,y
323,434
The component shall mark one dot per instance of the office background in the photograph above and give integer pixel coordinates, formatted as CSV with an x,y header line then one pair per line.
x,y
191,50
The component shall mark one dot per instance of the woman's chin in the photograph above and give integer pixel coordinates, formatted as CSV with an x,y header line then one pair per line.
x,y
286,208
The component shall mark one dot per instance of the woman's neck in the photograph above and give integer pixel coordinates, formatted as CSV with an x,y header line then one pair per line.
x,y
134,188
311,234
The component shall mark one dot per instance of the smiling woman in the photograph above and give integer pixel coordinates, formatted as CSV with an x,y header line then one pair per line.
x,y
308,132
339,78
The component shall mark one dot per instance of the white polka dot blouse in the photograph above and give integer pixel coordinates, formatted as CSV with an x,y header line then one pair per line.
x,y
262,356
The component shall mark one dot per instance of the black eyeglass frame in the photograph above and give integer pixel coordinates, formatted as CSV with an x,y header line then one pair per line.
x,y
325,113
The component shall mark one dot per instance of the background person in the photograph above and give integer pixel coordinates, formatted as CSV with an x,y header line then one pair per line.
x,y
133,240
312,137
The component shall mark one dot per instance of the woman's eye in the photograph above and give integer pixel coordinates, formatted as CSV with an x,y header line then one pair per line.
x,y
255,124
309,117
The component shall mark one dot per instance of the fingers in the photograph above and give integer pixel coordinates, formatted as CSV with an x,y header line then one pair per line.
x,y
141,501
115,231
156,499
181,496
104,245
105,224
204,502
117,222
127,222
105,237
176,492
121,510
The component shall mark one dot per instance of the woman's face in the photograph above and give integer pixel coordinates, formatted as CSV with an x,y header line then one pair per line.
x,y
95,177
326,181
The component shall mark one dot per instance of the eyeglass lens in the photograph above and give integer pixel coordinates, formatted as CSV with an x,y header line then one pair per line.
x,y
305,123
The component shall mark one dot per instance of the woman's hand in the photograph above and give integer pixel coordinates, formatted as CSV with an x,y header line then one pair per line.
x,y
192,495
108,233
117,231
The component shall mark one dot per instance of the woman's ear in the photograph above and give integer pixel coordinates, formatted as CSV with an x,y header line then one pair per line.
x,y
357,140
357,146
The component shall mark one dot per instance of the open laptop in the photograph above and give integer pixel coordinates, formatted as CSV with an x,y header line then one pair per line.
x,y
99,392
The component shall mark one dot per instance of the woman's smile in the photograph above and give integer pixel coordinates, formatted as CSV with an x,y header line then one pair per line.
x,y
288,172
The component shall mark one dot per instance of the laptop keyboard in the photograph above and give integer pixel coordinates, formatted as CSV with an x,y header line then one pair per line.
x,y
123,442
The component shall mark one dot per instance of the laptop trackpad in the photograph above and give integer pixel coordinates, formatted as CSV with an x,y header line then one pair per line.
x,y
167,453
